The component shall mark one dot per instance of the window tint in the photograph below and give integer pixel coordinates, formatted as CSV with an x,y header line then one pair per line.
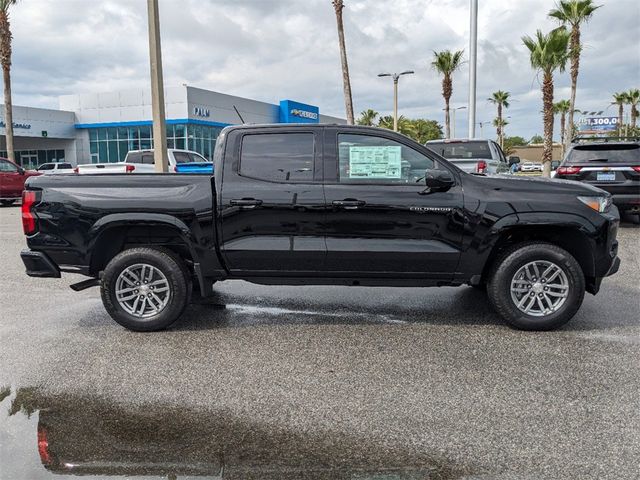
x,y
182,157
64,166
369,159
461,150
47,166
147,158
279,157
134,158
625,153
7,166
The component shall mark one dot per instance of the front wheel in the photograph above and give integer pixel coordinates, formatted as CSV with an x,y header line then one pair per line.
x,y
145,289
536,286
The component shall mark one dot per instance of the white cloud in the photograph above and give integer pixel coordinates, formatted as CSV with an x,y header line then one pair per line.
x,y
274,49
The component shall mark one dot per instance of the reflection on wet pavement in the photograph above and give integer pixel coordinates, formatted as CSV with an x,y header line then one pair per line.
x,y
67,435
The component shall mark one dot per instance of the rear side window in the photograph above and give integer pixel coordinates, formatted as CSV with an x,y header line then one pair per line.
x,y
278,157
627,154
47,166
461,150
182,157
147,158
134,158
64,166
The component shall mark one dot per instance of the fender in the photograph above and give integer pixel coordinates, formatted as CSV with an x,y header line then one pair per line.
x,y
484,242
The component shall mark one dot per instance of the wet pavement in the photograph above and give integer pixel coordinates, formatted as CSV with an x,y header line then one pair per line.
x,y
316,382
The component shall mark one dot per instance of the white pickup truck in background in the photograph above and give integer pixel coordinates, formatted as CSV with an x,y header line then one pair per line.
x,y
141,161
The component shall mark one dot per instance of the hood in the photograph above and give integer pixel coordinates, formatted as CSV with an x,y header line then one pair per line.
x,y
538,185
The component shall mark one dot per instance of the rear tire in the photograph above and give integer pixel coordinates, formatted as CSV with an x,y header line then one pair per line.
x,y
145,289
536,286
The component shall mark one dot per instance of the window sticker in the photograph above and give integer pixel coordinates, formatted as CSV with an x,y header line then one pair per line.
x,y
375,162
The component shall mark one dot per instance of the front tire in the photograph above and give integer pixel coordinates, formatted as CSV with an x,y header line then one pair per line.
x,y
145,289
536,286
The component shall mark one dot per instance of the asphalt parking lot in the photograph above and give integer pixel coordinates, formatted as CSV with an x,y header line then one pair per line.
x,y
316,382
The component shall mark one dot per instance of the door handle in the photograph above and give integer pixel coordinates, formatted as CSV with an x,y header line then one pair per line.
x,y
349,203
245,202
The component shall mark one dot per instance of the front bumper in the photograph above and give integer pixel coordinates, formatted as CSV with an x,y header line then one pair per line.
x,y
38,264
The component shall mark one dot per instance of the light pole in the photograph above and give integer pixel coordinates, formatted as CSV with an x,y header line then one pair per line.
x,y
396,77
453,119
473,47
157,90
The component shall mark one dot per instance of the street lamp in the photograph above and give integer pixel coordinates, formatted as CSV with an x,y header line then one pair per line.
x,y
453,119
395,77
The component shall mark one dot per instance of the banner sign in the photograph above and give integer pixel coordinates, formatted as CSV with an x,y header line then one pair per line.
x,y
595,125
375,162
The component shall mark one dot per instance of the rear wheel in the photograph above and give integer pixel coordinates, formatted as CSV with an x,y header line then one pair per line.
x,y
145,289
536,286
7,203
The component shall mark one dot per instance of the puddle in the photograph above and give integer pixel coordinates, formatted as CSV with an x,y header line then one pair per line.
x,y
45,436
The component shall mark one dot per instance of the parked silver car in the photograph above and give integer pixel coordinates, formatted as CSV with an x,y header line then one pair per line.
x,y
472,155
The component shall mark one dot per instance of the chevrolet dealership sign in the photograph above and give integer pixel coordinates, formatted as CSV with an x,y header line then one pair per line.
x,y
296,112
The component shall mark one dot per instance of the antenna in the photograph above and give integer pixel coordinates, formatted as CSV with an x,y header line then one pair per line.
x,y
241,119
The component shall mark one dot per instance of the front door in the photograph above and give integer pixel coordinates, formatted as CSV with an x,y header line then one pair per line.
x,y
381,221
272,202
11,180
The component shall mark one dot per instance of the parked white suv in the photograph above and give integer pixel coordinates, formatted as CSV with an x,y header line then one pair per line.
x,y
141,161
54,168
472,156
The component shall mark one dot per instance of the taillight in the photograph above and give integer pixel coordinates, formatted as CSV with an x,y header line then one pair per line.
x,y
481,166
637,169
43,446
568,170
175,169
76,170
28,218
129,168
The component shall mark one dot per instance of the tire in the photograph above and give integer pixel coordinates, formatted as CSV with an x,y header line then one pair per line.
x,y
161,301
509,270
7,203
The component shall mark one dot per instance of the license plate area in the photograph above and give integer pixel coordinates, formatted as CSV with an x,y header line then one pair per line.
x,y
606,176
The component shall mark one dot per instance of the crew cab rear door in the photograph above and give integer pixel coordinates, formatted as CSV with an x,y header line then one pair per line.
x,y
272,201
380,221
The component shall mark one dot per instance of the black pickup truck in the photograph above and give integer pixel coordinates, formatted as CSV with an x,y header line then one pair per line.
x,y
322,204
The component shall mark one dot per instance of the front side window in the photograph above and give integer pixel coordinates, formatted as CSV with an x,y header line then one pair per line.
x,y
7,167
278,157
378,160
46,166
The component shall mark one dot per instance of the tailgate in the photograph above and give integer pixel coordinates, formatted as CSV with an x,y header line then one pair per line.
x,y
195,167
95,168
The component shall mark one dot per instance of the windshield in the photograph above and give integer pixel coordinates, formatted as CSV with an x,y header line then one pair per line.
x,y
461,150
625,153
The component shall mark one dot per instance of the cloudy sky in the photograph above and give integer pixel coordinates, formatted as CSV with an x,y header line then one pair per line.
x,y
275,49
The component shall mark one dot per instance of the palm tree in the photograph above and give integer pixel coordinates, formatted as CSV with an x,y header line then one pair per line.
x,y
446,63
500,123
619,99
367,117
562,107
338,5
5,59
548,53
405,126
573,13
501,99
633,98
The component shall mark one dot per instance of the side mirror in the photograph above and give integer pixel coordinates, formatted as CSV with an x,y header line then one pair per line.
x,y
555,164
513,160
438,180
21,171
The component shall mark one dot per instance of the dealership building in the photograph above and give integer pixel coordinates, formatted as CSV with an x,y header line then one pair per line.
x,y
103,127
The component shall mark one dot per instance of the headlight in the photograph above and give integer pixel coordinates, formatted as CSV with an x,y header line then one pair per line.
x,y
599,204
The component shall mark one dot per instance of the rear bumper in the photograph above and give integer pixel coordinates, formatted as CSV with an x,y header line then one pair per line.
x,y
627,201
38,264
